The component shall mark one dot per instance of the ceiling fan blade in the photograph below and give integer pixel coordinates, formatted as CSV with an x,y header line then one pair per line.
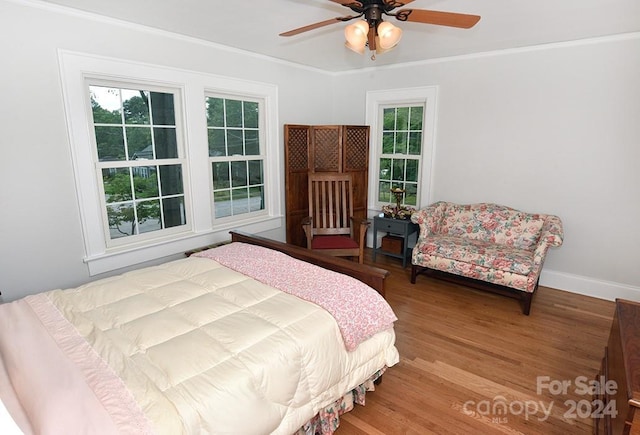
x,y
349,3
450,19
317,25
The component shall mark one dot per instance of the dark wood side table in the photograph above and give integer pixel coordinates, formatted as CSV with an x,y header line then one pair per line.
x,y
402,228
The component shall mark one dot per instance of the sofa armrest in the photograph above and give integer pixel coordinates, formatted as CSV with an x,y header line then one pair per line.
x,y
551,235
429,218
552,232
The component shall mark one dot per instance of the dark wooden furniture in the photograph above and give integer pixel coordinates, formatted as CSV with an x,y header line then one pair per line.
x,y
322,149
525,298
619,376
401,228
204,248
372,276
330,227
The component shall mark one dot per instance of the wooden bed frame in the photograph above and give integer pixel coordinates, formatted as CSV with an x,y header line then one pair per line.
x,y
372,276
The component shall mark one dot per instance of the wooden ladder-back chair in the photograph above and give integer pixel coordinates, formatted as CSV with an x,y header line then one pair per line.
x,y
331,227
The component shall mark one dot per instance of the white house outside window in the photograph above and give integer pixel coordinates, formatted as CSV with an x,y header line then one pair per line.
x,y
138,159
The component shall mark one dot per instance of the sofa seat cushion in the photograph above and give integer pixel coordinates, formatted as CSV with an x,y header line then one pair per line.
x,y
479,252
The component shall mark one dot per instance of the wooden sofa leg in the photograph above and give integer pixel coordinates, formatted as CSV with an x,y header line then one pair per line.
x,y
414,272
527,298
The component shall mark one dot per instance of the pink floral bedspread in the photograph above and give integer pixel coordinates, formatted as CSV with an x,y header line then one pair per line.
x,y
359,310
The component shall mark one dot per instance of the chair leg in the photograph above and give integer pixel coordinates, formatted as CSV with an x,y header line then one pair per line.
x,y
414,273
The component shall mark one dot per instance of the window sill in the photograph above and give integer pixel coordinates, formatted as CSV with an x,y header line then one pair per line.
x,y
110,261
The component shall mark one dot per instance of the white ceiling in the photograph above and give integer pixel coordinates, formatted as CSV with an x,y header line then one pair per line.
x,y
254,25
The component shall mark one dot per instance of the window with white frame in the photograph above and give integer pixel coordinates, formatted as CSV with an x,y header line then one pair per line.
x,y
139,160
401,152
402,143
149,182
236,155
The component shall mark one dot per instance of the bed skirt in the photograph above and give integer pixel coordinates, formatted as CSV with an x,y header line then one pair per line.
x,y
327,420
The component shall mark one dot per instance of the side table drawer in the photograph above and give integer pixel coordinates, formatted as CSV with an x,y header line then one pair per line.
x,y
392,227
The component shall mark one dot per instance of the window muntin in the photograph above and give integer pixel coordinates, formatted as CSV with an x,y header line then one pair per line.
x,y
137,155
400,153
235,154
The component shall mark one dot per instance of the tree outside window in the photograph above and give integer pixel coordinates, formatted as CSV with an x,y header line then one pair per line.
x,y
137,155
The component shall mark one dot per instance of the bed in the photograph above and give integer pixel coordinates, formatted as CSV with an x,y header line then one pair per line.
x,y
251,337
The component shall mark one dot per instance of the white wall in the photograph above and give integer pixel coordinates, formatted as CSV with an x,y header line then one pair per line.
x,y
554,129
41,244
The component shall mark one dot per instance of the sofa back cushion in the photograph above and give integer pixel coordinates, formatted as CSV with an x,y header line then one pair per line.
x,y
492,223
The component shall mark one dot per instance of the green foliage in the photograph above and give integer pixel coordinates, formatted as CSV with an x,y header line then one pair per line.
x,y
103,116
136,109
120,212
132,193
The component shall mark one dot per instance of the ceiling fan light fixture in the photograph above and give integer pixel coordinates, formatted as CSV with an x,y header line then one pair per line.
x,y
371,30
379,49
356,35
388,35
359,49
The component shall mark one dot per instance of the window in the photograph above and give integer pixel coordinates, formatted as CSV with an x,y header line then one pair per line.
x,y
157,171
137,154
399,160
402,143
235,153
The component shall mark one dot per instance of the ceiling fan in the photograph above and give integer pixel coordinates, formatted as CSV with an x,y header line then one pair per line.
x,y
381,35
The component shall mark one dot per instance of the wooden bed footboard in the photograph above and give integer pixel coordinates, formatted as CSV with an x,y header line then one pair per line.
x,y
372,276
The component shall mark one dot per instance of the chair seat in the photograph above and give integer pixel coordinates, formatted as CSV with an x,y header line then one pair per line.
x,y
333,242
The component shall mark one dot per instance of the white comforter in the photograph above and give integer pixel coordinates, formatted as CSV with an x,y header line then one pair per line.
x,y
186,347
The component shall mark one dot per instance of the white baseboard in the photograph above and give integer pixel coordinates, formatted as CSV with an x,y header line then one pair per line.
x,y
589,286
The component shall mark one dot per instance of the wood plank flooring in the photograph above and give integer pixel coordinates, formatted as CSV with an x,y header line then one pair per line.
x,y
471,362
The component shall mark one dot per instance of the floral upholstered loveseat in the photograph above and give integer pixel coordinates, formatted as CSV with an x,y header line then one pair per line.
x,y
492,246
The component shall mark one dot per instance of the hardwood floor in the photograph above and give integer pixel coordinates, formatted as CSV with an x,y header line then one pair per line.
x,y
467,355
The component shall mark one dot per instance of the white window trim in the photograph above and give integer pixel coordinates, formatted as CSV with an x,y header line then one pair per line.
x,y
426,96
74,68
